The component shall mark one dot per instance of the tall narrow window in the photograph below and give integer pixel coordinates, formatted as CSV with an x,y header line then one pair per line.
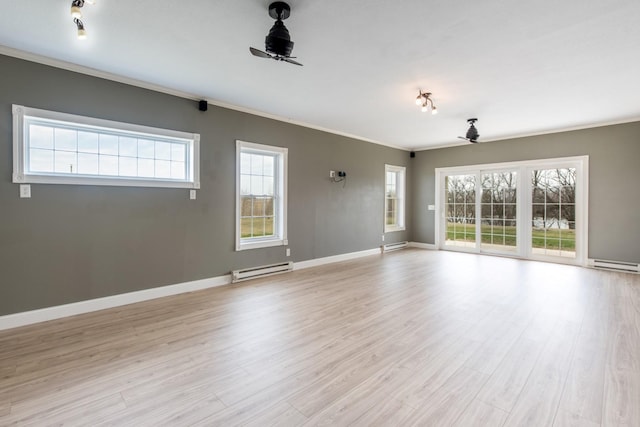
x,y
261,189
394,198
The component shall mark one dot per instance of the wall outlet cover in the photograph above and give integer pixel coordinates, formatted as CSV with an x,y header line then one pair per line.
x,y
25,191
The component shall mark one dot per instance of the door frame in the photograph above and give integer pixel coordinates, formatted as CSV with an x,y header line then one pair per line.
x,y
524,169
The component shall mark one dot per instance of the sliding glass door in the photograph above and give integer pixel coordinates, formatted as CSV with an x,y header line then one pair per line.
x,y
499,213
533,209
553,212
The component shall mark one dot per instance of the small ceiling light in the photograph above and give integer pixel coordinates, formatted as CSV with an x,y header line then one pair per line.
x,y
424,99
82,34
76,5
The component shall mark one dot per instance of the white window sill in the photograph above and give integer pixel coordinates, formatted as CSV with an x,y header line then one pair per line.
x,y
392,229
260,244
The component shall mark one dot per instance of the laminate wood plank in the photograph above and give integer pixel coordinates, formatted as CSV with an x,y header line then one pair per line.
x,y
538,402
567,419
621,398
5,409
443,406
507,381
480,414
173,407
281,415
389,412
68,413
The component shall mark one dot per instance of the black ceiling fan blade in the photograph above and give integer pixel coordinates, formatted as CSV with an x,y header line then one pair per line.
x,y
259,53
291,61
473,141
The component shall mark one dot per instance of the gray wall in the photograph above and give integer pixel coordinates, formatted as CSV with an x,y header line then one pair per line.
x,y
614,175
70,243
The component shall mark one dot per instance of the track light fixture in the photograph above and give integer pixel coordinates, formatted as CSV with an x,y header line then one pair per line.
x,y
76,14
424,100
82,34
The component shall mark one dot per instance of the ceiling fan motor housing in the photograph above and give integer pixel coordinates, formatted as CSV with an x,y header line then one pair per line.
x,y
278,40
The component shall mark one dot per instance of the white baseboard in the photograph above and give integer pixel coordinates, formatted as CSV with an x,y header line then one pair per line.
x,y
422,245
335,258
57,312
51,313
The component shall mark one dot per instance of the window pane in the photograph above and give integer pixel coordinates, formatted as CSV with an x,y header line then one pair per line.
x,y
258,206
128,146
40,160
128,166
245,184
146,149
246,227
88,163
268,227
40,137
108,165
268,186
178,152
163,169
256,185
108,144
88,142
246,206
66,140
146,168
257,164
178,170
245,163
269,166
66,162
163,150
268,206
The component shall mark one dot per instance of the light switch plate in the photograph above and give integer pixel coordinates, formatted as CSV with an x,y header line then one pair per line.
x,y
192,194
431,207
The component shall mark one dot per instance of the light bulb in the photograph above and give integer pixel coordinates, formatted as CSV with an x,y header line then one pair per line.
x,y
82,34
76,12
419,100
434,110
424,107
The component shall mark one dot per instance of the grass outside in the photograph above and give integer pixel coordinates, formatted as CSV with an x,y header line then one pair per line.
x,y
262,227
549,239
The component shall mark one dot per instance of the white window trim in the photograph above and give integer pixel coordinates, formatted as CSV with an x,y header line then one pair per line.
x,y
22,175
402,190
282,189
581,163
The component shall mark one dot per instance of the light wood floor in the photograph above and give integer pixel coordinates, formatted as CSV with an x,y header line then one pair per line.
x,y
407,338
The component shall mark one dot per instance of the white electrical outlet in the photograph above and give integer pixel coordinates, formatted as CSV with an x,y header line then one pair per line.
x,y
288,251
25,191
383,237
332,174
192,194
431,207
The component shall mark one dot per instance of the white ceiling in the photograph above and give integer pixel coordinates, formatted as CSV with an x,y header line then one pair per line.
x,y
521,67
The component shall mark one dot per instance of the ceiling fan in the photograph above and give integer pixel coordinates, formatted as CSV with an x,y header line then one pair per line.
x,y
278,44
472,133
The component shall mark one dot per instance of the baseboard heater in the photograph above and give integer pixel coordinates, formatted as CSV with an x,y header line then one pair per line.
x,y
393,246
617,265
262,271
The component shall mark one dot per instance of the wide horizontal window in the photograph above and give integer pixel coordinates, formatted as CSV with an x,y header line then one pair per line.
x,y
58,148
